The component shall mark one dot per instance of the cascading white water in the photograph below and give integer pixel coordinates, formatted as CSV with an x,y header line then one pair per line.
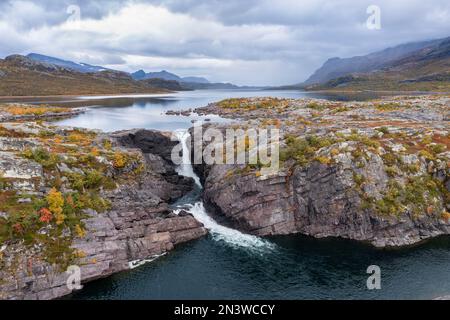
x,y
218,232
185,168
221,233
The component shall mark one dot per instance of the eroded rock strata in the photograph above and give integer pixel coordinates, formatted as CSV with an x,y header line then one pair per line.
x,y
371,171
114,195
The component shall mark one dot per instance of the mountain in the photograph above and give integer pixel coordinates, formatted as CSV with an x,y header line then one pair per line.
x,y
208,86
80,67
427,68
336,67
195,80
187,83
23,76
165,75
166,84
141,75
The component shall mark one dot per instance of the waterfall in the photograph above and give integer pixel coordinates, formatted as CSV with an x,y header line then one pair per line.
x,y
218,232
185,168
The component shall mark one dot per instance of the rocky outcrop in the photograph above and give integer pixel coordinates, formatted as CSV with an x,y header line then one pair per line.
x,y
318,200
114,242
385,181
138,227
157,148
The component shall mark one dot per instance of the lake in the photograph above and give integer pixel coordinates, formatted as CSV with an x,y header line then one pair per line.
x,y
147,111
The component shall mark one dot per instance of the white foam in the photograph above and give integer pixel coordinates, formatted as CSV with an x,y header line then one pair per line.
x,y
185,169
137,263
222,233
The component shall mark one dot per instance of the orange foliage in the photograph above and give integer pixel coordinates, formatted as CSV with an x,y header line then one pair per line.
x,y
45,215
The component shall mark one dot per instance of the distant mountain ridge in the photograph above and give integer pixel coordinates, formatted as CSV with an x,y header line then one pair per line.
x,y
165,75
80,67
337,67
185,83
425,69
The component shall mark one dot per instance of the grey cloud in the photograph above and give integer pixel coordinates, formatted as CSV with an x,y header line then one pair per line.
x,y
257,40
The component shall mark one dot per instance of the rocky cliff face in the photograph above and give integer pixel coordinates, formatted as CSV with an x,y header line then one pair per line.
x,y
386,181
138,224
318,200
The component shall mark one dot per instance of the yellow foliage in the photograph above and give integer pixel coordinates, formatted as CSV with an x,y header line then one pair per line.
x,y
29,110
76,137
55,202
95,152
446,216
81,233
107,145
323,160
120,160
334,152
80,254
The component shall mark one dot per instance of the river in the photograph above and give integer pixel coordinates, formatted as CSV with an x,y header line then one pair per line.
x,y
227,264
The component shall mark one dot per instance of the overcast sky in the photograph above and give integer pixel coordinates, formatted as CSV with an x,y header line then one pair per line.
x,y
254,42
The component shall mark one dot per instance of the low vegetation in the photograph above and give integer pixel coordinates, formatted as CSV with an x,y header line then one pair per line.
x,y
253,104
26,110
78,171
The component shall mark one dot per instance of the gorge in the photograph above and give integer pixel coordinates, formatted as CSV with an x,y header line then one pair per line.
x,y
227,263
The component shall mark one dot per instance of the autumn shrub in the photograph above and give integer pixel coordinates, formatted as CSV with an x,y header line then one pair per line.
x,y
445,216
80,231
427,155
107,144
45,215
384,130
93,179
437,148
416,196
303,150
42,156
55,201
315,106
119,160
76,180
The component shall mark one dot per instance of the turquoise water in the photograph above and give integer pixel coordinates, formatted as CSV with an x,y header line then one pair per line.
x,y
227,265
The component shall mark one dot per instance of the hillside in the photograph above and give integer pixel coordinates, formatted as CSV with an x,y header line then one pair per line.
x,y
22,76
337,67
424,69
